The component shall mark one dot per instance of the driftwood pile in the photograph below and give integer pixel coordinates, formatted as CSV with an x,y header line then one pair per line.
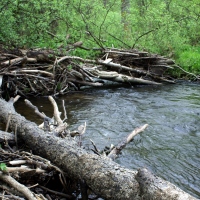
x,y
50,72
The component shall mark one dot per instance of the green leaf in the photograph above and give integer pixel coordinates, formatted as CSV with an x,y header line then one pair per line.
x,y
3,166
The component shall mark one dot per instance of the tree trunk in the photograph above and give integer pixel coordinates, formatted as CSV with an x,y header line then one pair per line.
x,y
105,177
125,12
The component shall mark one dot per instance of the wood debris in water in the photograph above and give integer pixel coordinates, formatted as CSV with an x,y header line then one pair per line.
x,y
49,72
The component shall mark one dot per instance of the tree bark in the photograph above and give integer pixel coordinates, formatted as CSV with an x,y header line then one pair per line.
x,y
116,77
105,177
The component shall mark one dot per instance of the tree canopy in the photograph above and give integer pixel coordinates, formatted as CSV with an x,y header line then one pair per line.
x,y
167,27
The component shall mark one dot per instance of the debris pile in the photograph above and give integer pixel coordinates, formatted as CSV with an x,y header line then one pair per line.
x,y
50,72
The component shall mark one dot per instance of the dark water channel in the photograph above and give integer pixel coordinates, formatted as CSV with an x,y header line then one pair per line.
x,y
170,146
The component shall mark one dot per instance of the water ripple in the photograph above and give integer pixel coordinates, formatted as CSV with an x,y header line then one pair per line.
x,y
170,146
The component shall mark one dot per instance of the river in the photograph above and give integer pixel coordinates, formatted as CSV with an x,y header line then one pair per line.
x,y
169,147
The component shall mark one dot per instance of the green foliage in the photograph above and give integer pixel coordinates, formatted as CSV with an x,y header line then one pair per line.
x,y
58,86
189,59
3,166
171,28
69,67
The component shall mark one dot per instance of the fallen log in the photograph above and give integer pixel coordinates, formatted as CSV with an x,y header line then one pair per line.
x,y
105,177
14,61
121,78
5,136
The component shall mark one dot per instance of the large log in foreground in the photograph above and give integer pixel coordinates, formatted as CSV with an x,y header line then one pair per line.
x,y
102,175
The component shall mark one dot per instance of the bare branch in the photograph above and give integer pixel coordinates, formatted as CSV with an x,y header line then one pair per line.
x,y
113,154
18,186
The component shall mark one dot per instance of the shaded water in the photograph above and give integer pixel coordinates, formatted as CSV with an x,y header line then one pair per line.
x,y
170,146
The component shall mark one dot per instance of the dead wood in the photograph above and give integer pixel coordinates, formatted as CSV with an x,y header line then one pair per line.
x,y
102,175
116,77
51,72
153,187
116,150
5,136
27,168
19,187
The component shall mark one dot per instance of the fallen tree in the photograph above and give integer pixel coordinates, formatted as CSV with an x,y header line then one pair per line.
x,y
105,177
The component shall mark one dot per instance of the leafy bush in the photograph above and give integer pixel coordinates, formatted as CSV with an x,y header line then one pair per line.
x,y
171,28
190,59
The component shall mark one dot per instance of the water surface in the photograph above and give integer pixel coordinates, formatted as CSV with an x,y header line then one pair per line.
x,y
169,147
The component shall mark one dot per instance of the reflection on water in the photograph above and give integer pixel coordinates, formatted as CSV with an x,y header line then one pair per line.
x,y
170,146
